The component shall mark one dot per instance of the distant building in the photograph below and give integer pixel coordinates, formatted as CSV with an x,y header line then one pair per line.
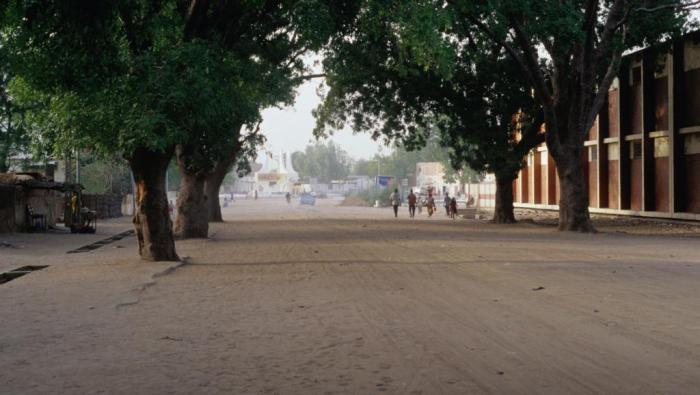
x,y
277,175
245,184
429,176
350,184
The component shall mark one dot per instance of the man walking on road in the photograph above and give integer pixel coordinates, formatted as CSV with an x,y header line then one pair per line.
x,y
447,203
395,200
412,204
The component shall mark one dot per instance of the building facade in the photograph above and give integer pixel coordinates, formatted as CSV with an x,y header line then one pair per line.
x,y
642,155
277,175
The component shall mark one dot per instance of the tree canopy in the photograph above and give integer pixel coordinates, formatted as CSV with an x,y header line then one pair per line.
x,y
326,161
443,79
581,45
468,67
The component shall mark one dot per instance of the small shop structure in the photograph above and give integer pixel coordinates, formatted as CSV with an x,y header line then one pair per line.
x,y
30,202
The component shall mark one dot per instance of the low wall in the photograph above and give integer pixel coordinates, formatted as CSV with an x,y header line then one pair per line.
x,y
484,193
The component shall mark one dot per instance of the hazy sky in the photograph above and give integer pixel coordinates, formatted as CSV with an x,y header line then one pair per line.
x,y
291,128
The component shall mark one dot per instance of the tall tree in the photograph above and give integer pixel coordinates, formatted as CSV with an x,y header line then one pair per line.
x,y
272,37
138,78
123,78
239,158
582,43
418,68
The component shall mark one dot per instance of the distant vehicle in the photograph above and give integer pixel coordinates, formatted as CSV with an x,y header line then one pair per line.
x,y
307,198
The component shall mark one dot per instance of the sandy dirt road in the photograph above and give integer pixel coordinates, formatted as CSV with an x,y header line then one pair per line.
x,y
315,300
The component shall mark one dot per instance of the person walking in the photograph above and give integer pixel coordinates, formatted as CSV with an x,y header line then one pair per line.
x,y
447,202
431,205
412,204
395,200
453,208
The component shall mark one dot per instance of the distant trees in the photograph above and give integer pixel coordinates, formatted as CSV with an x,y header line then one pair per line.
x,y
326,161
401,162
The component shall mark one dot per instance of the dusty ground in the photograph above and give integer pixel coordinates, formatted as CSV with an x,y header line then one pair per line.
x,y
618,224
309,300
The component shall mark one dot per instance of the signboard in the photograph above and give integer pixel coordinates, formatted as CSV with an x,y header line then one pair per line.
x,y
384,180
268,177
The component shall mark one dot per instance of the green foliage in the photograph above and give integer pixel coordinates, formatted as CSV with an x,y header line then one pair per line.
x,y
407,76
378,194
14,137
112,76
584,42
326,161
401,161
248,147
104,175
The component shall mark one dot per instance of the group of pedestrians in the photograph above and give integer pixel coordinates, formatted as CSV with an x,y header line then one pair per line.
x,y
449,203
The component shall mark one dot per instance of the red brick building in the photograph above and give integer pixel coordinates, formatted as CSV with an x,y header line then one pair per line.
x,y
642,155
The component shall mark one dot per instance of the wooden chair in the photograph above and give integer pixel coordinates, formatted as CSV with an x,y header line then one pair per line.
x,y
36,221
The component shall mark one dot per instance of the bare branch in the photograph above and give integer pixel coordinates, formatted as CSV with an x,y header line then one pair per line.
x,y
534,74
296,55
689,5
615,16
309,77
531,60
603,88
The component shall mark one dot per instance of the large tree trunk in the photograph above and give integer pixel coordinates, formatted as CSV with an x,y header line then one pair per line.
x,y
573,200
504,212
151,218
214,180
211,190
192,215
566,131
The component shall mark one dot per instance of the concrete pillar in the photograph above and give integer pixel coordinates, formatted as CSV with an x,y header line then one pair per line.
x,y
603,132
676,160
648,118
624,126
